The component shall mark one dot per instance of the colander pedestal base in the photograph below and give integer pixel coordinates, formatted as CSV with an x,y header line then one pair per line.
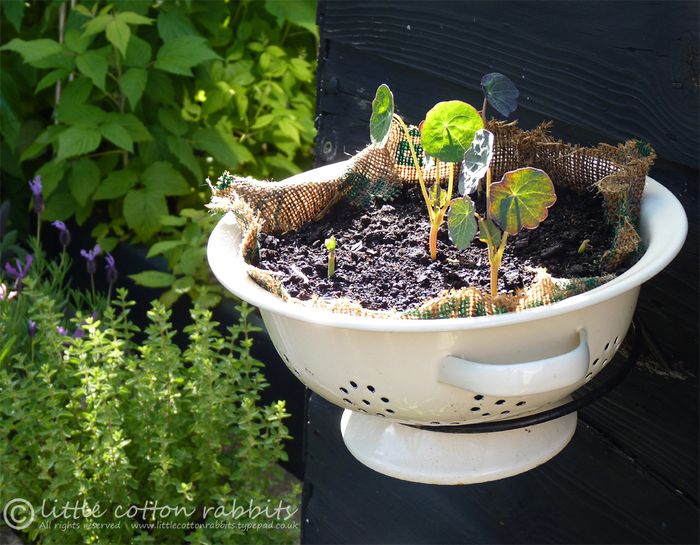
x,y
434,457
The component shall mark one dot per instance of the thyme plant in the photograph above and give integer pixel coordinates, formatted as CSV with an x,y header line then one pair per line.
x,y
113,415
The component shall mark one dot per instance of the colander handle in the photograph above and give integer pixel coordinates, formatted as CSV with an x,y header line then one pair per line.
x,y
518,379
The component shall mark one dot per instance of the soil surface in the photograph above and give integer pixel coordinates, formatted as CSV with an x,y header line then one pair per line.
x,y
383,262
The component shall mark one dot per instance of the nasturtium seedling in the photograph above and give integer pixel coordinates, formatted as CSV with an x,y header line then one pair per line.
x,y
500,92
521,199
449,129
446,133
476,162
454,131
382,115
331,244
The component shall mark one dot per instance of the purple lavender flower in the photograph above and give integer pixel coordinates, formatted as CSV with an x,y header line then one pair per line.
x,y
62,331
37,192
111,269
18,272
63,233
79,333
31,328
91,256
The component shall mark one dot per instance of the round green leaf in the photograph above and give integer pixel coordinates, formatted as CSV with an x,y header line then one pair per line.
x,y
382,114
501,93
521,199
461,223
449,129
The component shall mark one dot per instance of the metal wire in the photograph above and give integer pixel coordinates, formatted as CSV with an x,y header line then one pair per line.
x,y
610,380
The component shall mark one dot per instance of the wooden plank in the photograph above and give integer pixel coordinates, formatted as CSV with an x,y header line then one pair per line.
x,y
618,69
654,421
590,493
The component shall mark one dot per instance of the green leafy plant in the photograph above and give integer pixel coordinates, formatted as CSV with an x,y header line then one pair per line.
x,y
519,201
96,411
123,108
454,131
330,244
447,132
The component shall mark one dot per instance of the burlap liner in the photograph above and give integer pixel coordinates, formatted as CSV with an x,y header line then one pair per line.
x,y
616,172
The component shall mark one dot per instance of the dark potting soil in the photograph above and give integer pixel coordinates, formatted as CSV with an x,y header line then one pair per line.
x,y
383,262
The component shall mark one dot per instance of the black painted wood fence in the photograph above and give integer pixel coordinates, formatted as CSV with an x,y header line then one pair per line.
x,y
602,71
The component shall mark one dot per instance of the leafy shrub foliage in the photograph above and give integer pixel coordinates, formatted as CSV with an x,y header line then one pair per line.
x,y
124,108
94,410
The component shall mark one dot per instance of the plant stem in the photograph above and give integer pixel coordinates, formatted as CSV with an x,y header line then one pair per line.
x,y
331,264
441,210
495,258
434,228
450,184
416,164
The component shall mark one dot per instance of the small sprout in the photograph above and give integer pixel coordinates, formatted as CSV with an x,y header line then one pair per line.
x,y
330,246
500,92
584,246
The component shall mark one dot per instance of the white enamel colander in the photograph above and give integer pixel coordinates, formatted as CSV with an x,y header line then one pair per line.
x,y
390,372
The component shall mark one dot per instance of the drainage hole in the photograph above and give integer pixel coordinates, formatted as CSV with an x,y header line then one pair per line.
x,y
500,402
520,403
617,340
435,422
344,390
595,362
479,397
476,408
347,400
605,361
505,412
365,402
607,345
370,388
485,414
390,411
385,399
353,384
382,415
588,376
361,410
